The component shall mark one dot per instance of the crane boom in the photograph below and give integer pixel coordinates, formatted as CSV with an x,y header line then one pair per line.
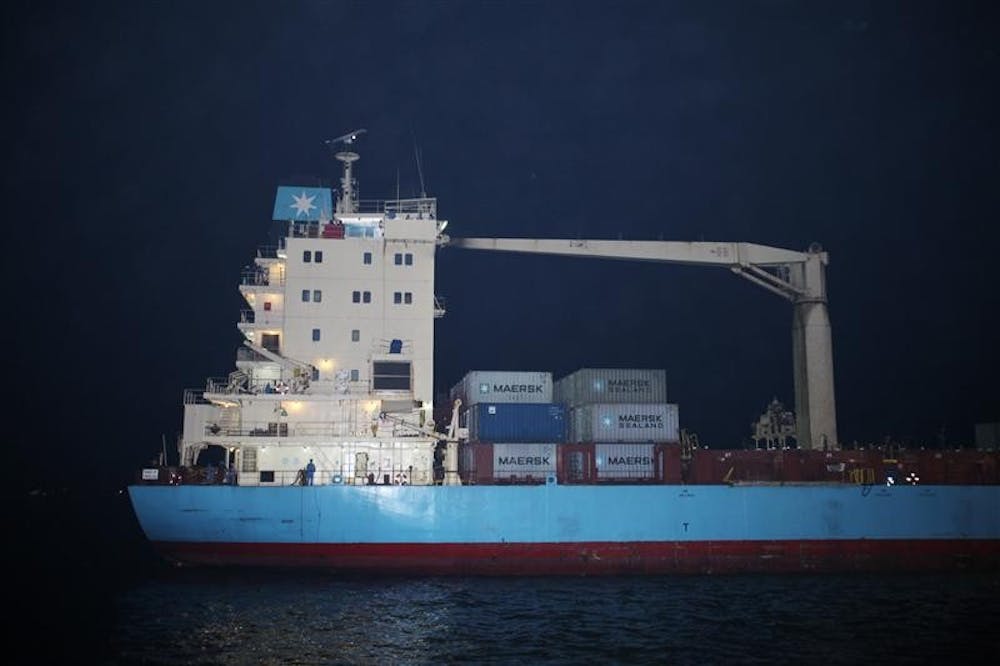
x,y
797,276
676,252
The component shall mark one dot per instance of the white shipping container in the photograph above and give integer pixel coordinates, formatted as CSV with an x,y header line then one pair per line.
x,y
503,387
624,423
537,460
606,385
625,461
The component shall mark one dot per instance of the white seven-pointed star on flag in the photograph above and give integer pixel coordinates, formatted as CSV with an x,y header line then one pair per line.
x,y
303,204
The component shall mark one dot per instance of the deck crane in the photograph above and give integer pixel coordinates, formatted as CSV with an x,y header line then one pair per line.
x,y
798,276
451,438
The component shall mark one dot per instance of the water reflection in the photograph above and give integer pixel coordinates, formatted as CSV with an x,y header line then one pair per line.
x,y
282,618
206,617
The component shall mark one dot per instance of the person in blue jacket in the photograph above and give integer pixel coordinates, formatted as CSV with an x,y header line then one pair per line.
x,y
310,471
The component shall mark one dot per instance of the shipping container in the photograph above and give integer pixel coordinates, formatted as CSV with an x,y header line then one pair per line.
x,y
672,463
624,423
503,387
516,422
467,466
626,462
487,463
611,385
525,462
475,463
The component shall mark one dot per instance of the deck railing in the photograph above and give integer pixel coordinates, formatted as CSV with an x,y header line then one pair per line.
x,y
308,429
395,475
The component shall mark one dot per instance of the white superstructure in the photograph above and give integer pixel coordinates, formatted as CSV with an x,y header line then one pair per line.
x,y
338,361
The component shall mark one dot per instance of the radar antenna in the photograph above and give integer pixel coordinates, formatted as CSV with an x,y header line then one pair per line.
x,y
348,138
348,201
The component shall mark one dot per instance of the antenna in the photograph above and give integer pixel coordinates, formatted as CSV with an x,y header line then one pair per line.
x,y
348,138
348,199
420,171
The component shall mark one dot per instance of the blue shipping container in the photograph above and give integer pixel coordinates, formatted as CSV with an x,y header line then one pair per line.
x,y
516,422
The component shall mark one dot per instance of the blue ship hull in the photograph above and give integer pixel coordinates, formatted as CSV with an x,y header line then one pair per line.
x,y
552,529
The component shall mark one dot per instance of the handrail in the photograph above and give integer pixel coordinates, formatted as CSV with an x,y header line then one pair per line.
x,y
214,476
302,429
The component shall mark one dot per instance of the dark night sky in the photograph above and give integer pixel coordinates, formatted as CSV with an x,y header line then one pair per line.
x,y
145,141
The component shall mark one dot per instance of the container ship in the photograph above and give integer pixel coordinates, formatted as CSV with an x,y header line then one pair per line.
x,y
324,447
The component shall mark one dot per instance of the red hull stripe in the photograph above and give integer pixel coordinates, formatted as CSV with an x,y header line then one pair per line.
x,y
602,558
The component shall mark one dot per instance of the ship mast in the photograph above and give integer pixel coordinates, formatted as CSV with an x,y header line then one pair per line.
x,y
347,203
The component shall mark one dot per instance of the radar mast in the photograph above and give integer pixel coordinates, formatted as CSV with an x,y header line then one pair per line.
x,y
347,203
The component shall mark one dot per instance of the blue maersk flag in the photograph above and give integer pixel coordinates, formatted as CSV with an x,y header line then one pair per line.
x,y
303,204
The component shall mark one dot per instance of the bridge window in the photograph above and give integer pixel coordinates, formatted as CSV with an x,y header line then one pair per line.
x,y
391,375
